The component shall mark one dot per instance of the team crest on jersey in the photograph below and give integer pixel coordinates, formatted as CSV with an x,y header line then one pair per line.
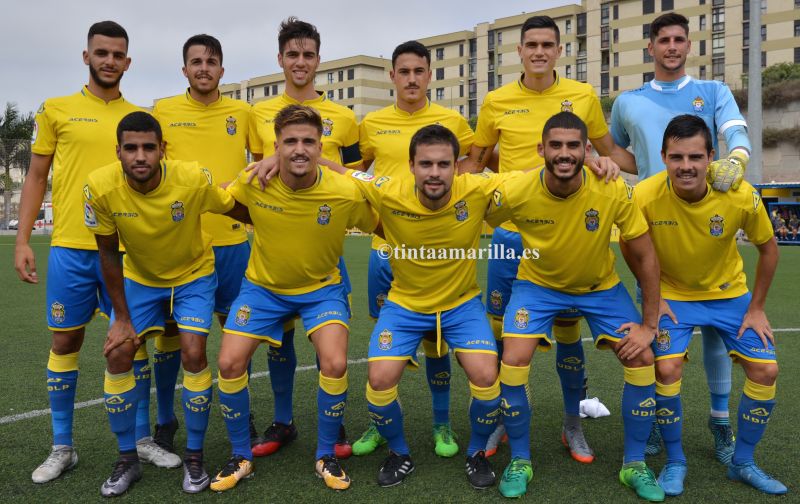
x,y
592,219
698,104
521,318
57,312
566,106
716,225
462,213
208,175
363,176
230,125
380,299
497,198
381,180
177,211
324,215
327,126
496,299
385,340
89,218
663,340
242,316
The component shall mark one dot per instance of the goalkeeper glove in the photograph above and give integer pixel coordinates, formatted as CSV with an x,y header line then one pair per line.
x,y
724,174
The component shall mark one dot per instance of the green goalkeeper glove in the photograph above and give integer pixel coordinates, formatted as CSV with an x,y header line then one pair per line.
x,y
724,174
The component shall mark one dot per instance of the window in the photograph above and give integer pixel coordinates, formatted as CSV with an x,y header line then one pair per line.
x,y
473,108
616,83
702,48
797,28
351,92
330,94
604,84
763,33
703,22
646,31
568,26
581,71
460,50
341,75
439,94
330,77
718,19
745,60
667,5
473,48
250,93
274,89
439,73
615,35
604,61
796,49
461,70
490,81
266,90
568,71
499,38
499,80
341,93
461,90
746,10
718,43
461,109
647,77
472,72
718,2
703,72
646,58
648,6
569,44
499,59
616,11
581,18
439,53
351,73
604,37
746,33
238,94
473,88
718,68
391,92
616,60
604,14
490,39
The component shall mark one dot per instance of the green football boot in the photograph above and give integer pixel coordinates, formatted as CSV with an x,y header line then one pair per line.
x,y
516,476
637,476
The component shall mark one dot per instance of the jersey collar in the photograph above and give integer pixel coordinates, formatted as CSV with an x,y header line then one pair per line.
x,y
419,112
314,101
558,198
672,193
552,88
88,94
200,104
316,183
670,87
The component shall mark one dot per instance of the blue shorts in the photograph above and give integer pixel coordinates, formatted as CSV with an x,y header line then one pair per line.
x,y
260,313
191,305
348,289
75,288
502,273
399,331
533,308
724,315
379,280
230,262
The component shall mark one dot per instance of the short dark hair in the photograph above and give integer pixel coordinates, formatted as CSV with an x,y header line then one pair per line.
x,y
566,120
141,122
687,126
292,28
108,29
297,114
668,19
434,134
211,44
540,22
413,47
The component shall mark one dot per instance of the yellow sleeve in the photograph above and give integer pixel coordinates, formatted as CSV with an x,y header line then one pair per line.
x,y
596,125
465,136
96,216
365,183
364,144
629,219
363,216
756,223
486,132
238,189
253,140
44,135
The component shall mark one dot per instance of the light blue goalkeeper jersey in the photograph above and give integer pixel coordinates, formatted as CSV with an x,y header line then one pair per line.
x,y
640,116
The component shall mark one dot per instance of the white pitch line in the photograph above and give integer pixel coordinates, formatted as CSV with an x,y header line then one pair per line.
x,y
85,404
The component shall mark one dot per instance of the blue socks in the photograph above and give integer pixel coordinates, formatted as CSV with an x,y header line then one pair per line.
x,y
234,402
196,399
386,414
717,366
516,408
141,373
437,370
331,402
120,403
62,379
755,408
166,364
570,367
282,363
638,410
484,411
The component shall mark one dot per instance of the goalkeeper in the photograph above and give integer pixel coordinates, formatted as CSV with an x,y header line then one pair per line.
x,y
638,119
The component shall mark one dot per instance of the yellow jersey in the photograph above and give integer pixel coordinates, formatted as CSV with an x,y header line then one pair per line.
x,y
433,253
339,128
80,132
696,242
164,242
215,135
571,235
299,235
385,136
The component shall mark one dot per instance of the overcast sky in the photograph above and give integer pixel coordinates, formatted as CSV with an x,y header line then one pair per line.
x,y
41,41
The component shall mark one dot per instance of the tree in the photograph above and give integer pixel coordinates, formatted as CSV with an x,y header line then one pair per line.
x,y
16,130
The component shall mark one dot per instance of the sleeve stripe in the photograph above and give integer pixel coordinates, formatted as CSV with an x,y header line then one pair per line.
x,y
733,122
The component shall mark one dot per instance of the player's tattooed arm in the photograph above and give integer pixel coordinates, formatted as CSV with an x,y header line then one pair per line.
x,y
605,146
756,318
121,331
478,158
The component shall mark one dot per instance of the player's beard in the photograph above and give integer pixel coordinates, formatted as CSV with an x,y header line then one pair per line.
x,y
141,179
104,83
436,196
549,165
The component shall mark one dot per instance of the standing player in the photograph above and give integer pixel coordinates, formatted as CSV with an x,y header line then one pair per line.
x,y
704,284
300,222
568,217
298,44
204,126
429,216
149,205
512,118
76,135
638,119
384,136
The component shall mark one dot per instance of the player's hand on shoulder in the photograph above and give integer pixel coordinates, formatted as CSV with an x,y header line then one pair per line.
x,y
25,263
756,320
265,170
637,339
727,173
604,167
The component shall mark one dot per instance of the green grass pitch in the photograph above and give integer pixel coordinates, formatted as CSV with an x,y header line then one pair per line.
x,y
289,474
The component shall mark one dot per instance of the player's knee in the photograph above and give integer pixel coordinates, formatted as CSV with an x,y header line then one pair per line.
x,y
120,359
379,381
763,373
483,377
669,371
645,358
67,342
230,367
333,366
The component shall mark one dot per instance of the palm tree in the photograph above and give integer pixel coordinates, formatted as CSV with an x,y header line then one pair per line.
x,y
16,130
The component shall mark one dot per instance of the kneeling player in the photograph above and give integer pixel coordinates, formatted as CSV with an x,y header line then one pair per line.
x,y
704,285
287,276
150,205
566,215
